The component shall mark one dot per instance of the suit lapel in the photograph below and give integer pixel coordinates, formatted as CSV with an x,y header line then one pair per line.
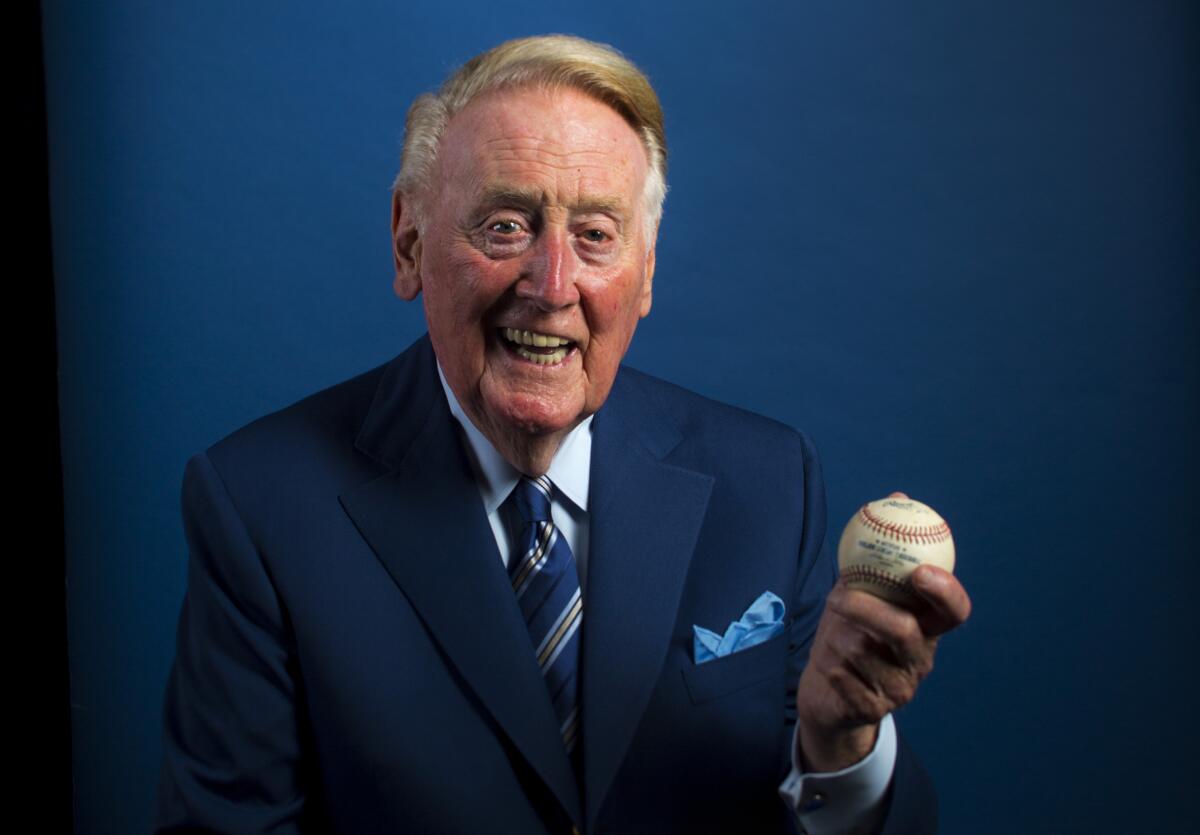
x,y
425,521
645,517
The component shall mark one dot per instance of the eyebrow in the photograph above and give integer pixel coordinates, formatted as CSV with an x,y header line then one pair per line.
x,y
533,199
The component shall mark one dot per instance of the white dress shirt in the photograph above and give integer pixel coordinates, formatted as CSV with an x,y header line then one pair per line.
x,y
846,802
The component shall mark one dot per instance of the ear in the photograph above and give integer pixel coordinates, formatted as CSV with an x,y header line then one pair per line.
x,y
648,279
406,248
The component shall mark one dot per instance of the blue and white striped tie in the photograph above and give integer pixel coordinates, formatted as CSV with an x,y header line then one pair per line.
x,y
546,583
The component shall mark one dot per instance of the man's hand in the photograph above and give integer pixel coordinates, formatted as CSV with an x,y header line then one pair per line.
x,y
867,659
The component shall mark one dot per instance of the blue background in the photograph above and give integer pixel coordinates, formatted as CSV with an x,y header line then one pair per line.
x,y
955,242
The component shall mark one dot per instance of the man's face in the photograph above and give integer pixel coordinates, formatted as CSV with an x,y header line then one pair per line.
x,y
535,233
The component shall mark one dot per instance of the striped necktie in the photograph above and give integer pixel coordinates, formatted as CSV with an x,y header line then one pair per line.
x,y
546,584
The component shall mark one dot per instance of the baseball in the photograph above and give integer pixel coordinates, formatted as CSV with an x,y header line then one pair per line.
x,y
886,540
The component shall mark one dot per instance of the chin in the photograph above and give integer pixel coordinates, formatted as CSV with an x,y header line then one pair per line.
x,y
532,415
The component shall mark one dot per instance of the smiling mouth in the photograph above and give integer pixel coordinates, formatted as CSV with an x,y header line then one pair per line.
x,y
539,348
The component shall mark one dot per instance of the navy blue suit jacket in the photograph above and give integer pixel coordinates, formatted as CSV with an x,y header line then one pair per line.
x,y
350,657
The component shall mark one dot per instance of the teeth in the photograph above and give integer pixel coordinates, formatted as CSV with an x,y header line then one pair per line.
x,y
553,358
538,340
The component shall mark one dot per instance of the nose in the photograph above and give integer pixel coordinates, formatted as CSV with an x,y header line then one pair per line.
x,y
549,277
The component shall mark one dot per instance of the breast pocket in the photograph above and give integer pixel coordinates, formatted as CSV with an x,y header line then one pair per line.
x,y
731,673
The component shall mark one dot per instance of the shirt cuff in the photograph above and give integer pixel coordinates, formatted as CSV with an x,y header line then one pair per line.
x,y
848,802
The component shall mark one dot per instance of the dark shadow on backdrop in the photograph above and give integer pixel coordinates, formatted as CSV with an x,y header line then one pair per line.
x,y
35,588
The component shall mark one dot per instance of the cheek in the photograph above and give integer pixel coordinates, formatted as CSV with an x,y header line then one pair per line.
x,y
613,306
465,286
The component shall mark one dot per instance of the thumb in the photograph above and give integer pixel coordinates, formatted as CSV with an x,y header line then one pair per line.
x,y
949,604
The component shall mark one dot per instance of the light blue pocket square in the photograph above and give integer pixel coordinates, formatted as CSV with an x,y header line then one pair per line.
x,y
762,621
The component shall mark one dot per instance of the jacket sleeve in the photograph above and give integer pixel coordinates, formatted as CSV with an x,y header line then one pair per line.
x,y
912,800
233,740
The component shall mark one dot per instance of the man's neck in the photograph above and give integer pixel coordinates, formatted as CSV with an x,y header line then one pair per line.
x,y
530,454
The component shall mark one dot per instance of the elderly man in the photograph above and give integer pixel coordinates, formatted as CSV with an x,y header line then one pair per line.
x,y
460,593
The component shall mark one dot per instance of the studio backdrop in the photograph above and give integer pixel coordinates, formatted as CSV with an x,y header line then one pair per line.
x,y
955,242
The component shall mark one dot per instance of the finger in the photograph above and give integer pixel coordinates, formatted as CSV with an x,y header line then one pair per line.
x,y
872,614
877,663
887,624
897,495
876,683
949,604
857,696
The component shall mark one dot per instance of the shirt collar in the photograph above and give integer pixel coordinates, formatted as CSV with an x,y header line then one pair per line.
x,y
569,470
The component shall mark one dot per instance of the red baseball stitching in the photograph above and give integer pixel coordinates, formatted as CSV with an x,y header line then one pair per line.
x,y
867,574
924,534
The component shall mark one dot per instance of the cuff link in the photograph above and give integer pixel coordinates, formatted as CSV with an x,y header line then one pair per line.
x,y
814,803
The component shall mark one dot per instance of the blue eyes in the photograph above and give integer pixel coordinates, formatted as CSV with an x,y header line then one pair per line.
x,y
510,228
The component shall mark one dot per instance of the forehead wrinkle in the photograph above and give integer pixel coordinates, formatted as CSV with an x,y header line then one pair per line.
x,y
578,169
551,161
506,151
537,182
533,197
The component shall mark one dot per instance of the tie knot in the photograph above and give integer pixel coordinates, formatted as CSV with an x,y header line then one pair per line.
x,y
533,499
